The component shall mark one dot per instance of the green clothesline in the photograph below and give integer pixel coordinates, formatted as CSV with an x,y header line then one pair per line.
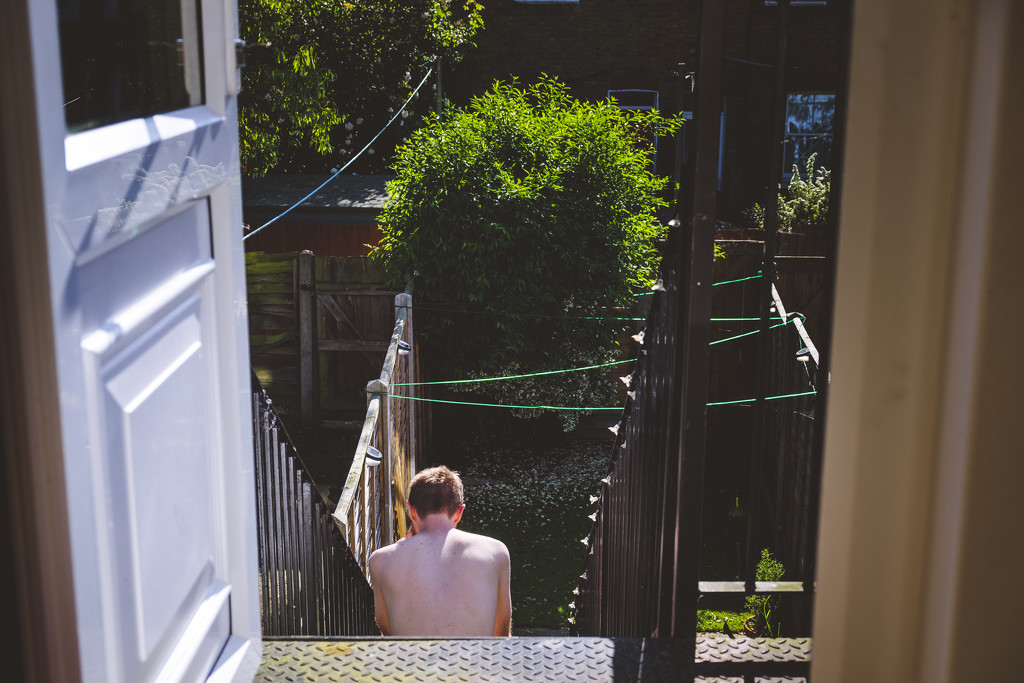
x,y
716,284
529,374
766,398
747,334
441,309
444,309
503,405
581,369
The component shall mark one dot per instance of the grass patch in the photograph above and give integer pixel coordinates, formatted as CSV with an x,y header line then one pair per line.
x,y
714,621
537,499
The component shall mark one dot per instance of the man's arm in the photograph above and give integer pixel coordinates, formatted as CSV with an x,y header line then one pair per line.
x,y
380,609
503,617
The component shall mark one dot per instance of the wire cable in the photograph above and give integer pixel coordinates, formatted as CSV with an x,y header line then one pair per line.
x,y
348,163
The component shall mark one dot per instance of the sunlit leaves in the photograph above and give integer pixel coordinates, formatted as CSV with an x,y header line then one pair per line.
x,y
805,201
336,72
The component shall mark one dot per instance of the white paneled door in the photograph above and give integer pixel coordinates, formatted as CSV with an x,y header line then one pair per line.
x,y
138,139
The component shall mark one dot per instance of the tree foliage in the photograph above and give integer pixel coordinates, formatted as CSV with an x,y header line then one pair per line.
x,y
528,220
323,76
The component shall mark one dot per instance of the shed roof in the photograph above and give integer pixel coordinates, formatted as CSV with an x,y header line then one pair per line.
x,y
280,191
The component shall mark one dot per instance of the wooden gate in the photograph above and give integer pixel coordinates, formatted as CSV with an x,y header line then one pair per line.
x,y
319,328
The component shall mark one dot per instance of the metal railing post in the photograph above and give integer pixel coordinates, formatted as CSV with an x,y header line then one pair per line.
x,y
378,389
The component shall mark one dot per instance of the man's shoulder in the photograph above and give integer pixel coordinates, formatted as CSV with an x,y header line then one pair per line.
x,y
488,543
383,553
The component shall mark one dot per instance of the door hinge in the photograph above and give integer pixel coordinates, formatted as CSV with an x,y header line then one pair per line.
x,y
239,53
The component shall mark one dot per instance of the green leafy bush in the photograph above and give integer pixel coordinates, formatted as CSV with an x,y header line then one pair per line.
x,y
528,220
805,202
335,72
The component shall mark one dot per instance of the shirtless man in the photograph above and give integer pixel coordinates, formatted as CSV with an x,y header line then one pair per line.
x,y
439,581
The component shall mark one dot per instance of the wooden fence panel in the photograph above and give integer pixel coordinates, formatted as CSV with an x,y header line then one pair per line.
x,y
270,280
355,318
350,322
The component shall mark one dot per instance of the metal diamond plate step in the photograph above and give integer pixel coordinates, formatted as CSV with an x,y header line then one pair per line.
x,y
523,659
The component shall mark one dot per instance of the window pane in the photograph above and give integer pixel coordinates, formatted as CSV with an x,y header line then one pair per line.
x,y
809,121
123,59
826,114
798,117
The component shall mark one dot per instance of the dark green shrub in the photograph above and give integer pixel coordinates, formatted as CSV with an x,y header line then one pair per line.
x,y
529,219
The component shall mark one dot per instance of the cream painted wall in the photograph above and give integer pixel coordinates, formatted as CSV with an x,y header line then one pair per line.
x,y
920,549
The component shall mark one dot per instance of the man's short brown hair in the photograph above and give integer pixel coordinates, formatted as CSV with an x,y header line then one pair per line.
x,y
436,489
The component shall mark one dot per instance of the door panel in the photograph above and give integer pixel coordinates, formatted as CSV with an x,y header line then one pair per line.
x,y
112,279
162,488
123,176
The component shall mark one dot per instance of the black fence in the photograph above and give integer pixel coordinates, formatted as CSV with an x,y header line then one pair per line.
x,y
641,576
623,591
644,575
310,584
789,483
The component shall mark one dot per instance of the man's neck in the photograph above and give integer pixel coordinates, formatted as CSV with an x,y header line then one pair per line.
x,y
436,523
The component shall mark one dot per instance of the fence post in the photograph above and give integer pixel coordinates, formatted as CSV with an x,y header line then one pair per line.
x,y
404,300
379,389
309,385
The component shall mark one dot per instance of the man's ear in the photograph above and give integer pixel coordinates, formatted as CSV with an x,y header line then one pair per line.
x,y
414,516
458,514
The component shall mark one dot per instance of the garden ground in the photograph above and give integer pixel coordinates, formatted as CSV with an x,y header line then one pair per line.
x,y
526,483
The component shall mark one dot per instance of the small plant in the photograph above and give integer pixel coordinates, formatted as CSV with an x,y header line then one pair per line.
x,y
805,203
763,606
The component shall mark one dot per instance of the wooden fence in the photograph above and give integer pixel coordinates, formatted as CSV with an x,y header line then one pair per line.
x,y
319,327
273,349
371,508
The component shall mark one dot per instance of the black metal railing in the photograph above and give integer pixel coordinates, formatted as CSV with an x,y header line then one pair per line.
x,y
310,584
636,573
643,575
621,591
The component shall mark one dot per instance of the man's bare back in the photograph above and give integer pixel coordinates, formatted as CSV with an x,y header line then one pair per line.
x,y
440,581
443,583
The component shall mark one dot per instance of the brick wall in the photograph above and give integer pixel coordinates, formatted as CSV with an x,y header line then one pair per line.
x,y
597,45
593,45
